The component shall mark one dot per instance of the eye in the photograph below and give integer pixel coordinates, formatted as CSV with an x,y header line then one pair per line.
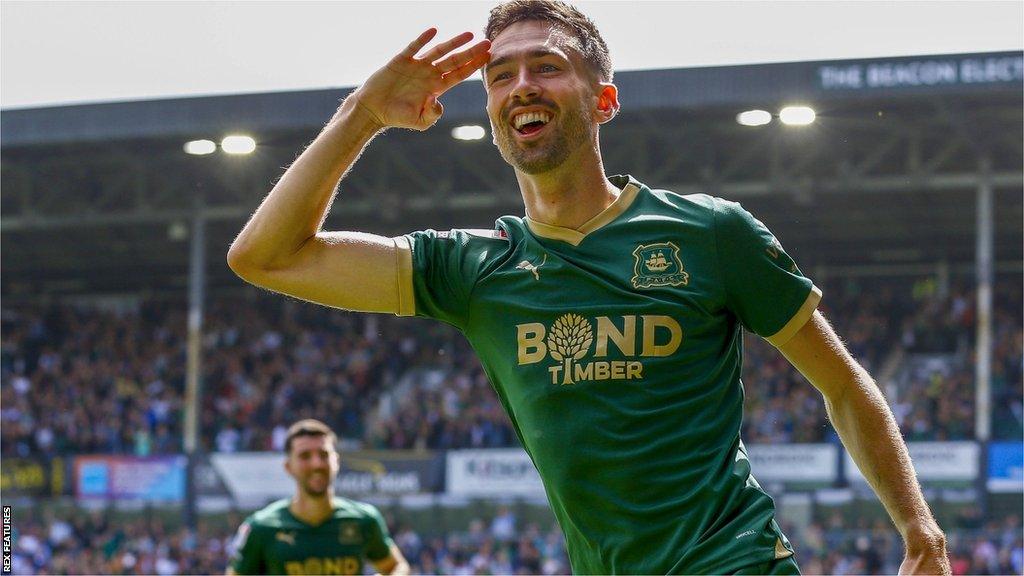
x,y
500,76
547,68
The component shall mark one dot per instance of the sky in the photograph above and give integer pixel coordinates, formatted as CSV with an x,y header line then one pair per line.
x,y
75,52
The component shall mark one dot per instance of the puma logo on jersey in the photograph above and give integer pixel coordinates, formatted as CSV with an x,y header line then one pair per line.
x,y
286,537
525,265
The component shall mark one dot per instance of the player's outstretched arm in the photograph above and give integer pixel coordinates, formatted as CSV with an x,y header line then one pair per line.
x,y
869,432
282,247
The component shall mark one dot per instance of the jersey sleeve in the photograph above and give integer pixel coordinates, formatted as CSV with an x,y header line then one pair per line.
x,y
378,541
764,287
247,557
438,270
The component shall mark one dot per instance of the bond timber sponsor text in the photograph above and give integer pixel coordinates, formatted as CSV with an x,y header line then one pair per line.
x,y
569,339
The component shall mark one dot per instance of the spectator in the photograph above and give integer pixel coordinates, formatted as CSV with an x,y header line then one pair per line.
x,y
80,380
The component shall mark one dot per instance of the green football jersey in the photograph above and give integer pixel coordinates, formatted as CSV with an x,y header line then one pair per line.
x,y
616,351
274,541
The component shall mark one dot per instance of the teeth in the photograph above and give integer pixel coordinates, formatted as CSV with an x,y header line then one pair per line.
x,y
524,119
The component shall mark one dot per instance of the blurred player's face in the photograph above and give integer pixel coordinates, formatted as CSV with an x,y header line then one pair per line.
x,y
314,464
534,70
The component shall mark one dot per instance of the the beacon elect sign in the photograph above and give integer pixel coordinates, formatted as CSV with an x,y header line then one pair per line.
x,y
922,73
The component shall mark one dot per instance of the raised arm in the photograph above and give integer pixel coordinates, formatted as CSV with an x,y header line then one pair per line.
x,y
282,247
869,432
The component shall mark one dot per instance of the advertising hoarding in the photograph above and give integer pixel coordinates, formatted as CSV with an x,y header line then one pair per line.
x,y
1006,467
157,478
498,472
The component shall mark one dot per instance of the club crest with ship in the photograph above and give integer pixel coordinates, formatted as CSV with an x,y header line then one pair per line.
x,y
350,534
657,265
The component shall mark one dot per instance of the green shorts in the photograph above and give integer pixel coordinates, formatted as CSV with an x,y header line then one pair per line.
x,y
781,566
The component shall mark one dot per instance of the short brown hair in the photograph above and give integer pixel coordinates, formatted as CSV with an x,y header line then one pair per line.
x,y
308,427
590,44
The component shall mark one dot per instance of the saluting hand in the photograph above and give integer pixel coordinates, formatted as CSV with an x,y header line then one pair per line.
x,y
404,93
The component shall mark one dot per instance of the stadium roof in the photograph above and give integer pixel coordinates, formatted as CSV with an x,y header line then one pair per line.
x,y
99,197
680,89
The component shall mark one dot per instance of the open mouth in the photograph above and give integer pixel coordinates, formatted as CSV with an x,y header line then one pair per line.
x,y
530,123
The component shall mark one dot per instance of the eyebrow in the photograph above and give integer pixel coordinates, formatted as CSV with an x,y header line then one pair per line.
x,y
535,53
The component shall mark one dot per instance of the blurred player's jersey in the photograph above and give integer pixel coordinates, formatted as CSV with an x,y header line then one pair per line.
x,y
616,351
273,541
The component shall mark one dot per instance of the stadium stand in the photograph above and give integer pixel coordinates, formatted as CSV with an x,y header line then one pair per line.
x,y
272,361
97,542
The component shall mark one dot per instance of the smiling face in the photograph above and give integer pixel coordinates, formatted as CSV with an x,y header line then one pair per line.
x,y
540,96
313,462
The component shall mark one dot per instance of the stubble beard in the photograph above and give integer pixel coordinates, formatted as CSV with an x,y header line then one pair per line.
x,y
543,156
313,492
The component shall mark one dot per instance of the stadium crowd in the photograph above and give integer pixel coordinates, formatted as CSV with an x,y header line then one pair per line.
x,y
936,399
933,402
81,380
838,546
81,542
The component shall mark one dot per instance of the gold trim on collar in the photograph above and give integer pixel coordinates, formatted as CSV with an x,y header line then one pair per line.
x,y
574,237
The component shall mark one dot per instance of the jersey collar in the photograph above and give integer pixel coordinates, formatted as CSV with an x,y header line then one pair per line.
x,y
630,187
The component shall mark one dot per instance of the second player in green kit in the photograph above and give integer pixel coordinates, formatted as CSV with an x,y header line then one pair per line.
x,y
314,532
274,541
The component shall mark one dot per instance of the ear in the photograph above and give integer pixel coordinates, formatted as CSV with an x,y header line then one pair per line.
x,y
607,102
288,468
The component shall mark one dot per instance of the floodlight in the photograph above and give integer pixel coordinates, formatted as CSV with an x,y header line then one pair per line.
x,y
796,115
754,117
177,231
238,144
472,132
200,147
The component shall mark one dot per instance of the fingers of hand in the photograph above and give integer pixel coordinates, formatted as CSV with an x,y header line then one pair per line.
x,y
439,51
466,70
460,58
418,44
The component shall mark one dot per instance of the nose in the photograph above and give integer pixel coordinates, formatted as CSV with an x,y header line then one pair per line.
x,y
526,87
